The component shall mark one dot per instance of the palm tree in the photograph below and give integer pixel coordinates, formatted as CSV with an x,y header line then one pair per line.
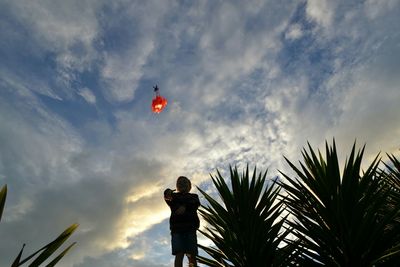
x,y
247,227
341,218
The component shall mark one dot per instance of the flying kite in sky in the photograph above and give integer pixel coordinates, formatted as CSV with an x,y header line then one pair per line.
x,y
159,102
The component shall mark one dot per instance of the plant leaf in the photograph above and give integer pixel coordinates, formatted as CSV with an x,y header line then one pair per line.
x,y
3,195
60,256
50,248
17,260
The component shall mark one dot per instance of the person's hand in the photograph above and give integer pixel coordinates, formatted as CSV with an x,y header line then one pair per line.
x,y
180,210
168,194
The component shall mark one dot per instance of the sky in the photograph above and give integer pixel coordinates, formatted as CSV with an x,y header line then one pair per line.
x,y
247,82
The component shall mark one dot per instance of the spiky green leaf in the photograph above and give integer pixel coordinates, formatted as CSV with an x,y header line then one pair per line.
x,y
54,245
246,225
340,218
60,256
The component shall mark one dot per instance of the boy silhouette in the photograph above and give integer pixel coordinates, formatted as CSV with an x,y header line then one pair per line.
x,y
183,221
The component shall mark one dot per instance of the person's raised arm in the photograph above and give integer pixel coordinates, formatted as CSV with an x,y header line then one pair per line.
x,y
168,195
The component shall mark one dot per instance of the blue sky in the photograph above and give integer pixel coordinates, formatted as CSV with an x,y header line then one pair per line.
x,y
247,82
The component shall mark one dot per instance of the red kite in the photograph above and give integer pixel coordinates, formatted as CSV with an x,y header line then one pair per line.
x,y
159,102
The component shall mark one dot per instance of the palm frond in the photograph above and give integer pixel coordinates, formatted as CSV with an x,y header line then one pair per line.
x,y
48,250
246,226
337,214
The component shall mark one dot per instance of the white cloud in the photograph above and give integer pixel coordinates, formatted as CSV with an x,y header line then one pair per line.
x,y
124,67
230,49
59,24
375,8
369,106
63,184
122,73
321,11
88,95
294,32
65,30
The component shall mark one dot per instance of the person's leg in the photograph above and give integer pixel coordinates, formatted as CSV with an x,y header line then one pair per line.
x,y
177,249
192,260
179,259
191,248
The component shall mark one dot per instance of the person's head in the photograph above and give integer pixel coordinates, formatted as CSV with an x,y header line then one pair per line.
x,y
183,184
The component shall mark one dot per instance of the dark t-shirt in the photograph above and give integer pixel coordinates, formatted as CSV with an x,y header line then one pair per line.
x,y
188,220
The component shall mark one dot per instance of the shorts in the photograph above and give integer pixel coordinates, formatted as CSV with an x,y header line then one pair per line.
x,y
185,242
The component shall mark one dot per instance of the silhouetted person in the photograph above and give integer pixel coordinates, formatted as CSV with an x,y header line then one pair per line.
x,y
184,221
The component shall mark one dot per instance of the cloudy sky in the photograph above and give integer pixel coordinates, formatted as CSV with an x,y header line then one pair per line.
x,y
247,82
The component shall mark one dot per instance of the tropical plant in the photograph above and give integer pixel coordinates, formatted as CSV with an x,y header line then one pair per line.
x,y
45,252
392,173
341,218
247,228
392,181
